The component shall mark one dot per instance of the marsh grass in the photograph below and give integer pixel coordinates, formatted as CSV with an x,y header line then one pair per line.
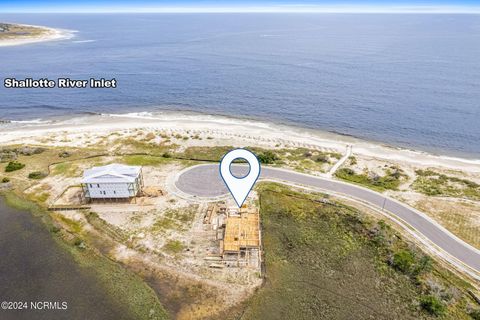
x,y
125,288
325,260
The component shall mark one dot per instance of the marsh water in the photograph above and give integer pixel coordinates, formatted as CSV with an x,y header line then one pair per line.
x,y
34,268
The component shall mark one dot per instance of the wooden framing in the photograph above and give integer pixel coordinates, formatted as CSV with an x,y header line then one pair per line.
x,y
242,237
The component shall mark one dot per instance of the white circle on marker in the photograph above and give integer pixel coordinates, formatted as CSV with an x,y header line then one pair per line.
x,y
239,187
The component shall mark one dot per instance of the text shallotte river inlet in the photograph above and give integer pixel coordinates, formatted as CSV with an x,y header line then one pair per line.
x,y
29,83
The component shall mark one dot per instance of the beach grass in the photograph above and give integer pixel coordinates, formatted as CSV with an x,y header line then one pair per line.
x,y
432,183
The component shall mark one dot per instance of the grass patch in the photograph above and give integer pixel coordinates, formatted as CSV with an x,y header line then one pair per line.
x,y
131,145
67,169
39,197
72,225
432,183
144,160
174,246
204,153
177,219
17,202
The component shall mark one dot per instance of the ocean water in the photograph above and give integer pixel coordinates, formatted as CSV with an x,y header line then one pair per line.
x,y
406,80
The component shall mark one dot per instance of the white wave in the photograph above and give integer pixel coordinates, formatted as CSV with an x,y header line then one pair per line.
x,y
34,121
83,41
136,115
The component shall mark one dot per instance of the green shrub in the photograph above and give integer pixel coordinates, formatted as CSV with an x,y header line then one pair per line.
x,y
432,305
37,175
321,158
267,157
423,265
54,229
475,314
13,166
403,261
64,154
5,180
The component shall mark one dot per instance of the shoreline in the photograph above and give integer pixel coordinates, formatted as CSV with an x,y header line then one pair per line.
x,y
264,133
50,34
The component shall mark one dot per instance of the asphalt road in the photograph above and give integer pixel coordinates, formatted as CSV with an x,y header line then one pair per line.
x,y
205,181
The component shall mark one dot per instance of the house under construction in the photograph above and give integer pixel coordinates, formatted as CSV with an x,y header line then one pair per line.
x,y
241,243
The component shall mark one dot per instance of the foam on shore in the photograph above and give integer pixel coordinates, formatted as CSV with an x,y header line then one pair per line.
x,y
227,127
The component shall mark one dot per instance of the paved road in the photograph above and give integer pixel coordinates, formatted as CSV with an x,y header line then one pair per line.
x,y
205,181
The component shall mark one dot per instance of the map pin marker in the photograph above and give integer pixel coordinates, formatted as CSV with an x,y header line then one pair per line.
x,y
239,187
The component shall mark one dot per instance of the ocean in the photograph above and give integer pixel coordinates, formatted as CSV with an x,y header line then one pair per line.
x,y
409,81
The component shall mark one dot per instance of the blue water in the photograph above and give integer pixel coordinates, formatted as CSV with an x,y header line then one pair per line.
x,y
406,80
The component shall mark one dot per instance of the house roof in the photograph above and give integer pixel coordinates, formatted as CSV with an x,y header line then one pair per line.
x,y
112,173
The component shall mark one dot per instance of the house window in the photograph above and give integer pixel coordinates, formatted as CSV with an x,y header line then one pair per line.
x,y
98,186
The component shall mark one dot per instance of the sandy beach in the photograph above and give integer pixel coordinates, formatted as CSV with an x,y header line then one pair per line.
x,y
225,130
50,34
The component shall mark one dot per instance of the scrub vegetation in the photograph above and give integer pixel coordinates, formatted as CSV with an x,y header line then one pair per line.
x,y
299,159
37,175
176,219
324,260
393,177
433,183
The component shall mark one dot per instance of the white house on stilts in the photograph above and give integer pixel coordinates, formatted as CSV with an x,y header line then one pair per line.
x,y
112,182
